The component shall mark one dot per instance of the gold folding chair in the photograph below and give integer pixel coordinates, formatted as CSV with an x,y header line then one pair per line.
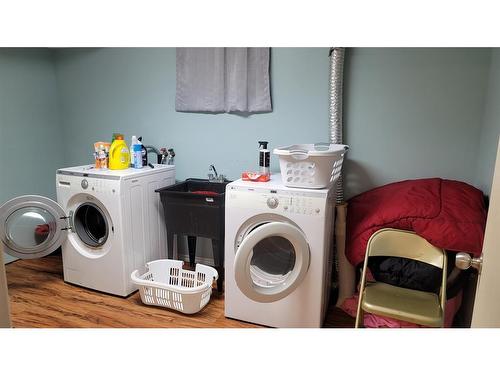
x,y
409,305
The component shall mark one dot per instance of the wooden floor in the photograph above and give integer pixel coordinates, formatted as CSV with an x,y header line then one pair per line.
x,y
40,298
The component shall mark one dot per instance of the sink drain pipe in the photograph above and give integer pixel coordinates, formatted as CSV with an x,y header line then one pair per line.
x,y
345,271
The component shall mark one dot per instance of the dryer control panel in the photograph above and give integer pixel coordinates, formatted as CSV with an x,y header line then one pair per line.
x,y
281,202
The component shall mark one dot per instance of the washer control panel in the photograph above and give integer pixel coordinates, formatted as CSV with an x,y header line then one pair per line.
x,y
87,184
284,202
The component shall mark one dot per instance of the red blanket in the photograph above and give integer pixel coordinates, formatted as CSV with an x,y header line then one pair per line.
x,y
449,214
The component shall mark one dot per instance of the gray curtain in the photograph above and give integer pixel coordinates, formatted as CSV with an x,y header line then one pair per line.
x,y
223,80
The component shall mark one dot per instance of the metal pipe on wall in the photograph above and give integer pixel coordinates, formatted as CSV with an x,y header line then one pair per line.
x,y
345,271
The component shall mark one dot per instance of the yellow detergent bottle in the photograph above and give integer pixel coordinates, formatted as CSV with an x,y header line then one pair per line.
x,y
119,154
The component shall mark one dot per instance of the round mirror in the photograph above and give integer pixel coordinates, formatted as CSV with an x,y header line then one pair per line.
x,y
29,227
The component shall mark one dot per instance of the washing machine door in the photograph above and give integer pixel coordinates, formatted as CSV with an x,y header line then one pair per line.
x,y
271,261
32,226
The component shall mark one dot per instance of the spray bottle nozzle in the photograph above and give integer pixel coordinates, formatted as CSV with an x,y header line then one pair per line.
x,y
263,144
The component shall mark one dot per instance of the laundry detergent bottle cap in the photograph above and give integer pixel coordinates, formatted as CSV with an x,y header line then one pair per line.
x,y
116,135
119,154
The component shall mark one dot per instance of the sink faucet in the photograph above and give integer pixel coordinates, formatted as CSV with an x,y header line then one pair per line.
x,y
215,177
150,149
163,156
211,176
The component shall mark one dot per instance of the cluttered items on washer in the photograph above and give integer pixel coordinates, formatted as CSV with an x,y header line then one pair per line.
x,y
167,284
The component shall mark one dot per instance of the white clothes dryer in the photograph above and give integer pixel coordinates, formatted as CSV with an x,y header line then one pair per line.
x,y
107,222
278,253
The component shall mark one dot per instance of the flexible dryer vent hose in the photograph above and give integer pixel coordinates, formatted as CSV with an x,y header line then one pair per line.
x,y
345,271
336,89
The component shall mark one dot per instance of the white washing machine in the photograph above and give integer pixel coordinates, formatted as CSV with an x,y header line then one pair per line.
x,y
278,253
108,223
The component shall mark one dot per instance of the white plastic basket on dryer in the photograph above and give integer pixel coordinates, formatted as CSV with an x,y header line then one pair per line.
x,y
167,284
311,166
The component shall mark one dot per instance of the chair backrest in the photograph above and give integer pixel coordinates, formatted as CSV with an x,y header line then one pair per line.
x,y
404,244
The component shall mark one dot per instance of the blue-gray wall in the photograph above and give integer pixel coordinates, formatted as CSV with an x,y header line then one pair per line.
x,y
132,90
413,113
490,127
30,133
409,113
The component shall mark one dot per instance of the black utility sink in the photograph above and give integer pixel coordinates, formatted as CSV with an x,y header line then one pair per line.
x,y
195,208
192,185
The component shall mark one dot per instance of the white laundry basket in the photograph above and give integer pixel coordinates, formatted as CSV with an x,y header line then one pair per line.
x,y
311,166
166,284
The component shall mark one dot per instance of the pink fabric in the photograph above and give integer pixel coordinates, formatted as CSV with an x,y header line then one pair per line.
x,y
350,306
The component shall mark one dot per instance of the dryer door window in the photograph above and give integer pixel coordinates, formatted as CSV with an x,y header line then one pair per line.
x,y
32,226
271,261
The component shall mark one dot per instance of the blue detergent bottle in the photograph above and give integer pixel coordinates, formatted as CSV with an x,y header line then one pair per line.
x,y
137,156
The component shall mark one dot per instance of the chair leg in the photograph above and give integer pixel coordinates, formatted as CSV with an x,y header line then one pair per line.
x,y
361,293
360,316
